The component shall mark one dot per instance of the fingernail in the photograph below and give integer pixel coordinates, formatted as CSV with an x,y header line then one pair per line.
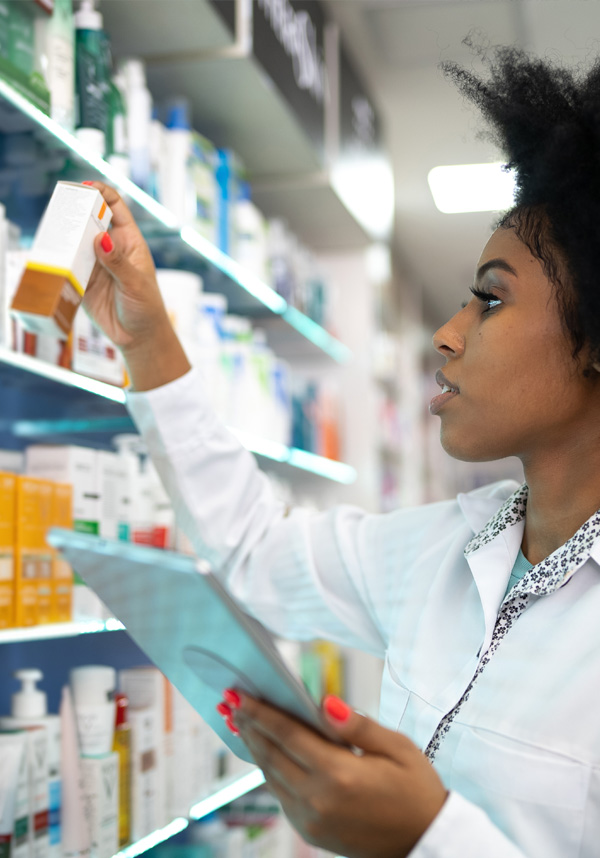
x,y
233,698
336,708
224,710
87,183
232,727
106,243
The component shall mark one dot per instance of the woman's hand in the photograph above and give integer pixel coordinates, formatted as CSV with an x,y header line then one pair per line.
x,y
374,805
124,300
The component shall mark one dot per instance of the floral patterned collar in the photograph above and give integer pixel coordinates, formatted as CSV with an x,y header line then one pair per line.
x,y
555,570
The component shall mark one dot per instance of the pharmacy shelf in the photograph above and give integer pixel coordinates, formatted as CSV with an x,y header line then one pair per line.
x,y
188,52
103,413
223,794
59,155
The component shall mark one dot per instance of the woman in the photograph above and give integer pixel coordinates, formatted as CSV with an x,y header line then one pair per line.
x,y
485,607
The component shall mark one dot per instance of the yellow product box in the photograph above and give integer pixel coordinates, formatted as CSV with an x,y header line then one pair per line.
x,y
33,565
44,577
61,260
8,483
62,574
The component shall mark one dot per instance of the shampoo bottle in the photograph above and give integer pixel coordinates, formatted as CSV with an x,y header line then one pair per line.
x,y
29,708
90,78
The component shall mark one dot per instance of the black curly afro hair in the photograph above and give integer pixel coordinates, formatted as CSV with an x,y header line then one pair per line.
x,y
546,120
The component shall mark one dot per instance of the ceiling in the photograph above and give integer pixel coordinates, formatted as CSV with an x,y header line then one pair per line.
x,y
398,45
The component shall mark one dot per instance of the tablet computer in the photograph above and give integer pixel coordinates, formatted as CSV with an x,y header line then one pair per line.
x,y
194,631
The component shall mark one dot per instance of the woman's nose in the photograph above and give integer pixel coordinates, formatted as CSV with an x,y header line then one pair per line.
x,y
448,340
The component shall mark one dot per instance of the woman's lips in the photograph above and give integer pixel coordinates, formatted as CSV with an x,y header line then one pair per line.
x,y
438,401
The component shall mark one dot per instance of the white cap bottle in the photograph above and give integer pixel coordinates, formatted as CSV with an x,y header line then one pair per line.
x,y
29,708
93,688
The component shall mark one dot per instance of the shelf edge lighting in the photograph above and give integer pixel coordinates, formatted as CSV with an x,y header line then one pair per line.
x,y
59,630
62,376
472,187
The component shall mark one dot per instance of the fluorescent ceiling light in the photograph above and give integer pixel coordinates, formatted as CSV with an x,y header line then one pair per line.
x,y
365,185
472,188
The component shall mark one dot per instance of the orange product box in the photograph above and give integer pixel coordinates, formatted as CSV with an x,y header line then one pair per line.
x,y
7,548
62,574
44,578
32,555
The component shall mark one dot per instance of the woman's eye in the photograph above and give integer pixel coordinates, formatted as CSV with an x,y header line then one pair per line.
x,y
487,298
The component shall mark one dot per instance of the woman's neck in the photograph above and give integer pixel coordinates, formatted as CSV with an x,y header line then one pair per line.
x,y
561,498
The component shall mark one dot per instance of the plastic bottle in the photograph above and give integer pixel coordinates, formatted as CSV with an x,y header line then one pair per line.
x,y
249,245
29,708
90,78
158,164
278,260
116,126
75,831
60,47
122,745
139,118
127,448
178,191
93,688
212,308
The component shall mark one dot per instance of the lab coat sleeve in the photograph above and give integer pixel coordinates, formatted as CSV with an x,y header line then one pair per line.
x,y
463,830
298,573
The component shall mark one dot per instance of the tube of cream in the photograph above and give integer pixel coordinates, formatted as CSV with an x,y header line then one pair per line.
x,y
12,750
75,830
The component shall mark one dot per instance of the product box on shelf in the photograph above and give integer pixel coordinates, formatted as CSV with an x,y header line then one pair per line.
x,y
93,354
36,779
62,574
33,561
8,485
61,260
100,781
77,466
14,837
145,688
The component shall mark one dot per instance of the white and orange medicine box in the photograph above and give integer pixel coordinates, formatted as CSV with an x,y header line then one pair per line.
x,y
61,259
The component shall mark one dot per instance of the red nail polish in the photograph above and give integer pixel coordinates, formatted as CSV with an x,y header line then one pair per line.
x,y
232,727
224,710
232,697
87,183
336,708
106,243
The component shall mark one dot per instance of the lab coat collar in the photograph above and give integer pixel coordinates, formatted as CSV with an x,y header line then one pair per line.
x,y
507,524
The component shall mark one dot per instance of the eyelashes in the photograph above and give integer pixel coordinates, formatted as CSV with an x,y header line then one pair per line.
x,y
485,297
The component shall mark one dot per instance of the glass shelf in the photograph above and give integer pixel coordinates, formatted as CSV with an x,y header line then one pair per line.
x,y
32,368
222,795
58,630
245,292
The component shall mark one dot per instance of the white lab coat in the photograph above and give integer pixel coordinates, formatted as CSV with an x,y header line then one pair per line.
x,y
521,757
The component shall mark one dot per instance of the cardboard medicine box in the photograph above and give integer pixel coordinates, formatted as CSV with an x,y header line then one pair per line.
x,y
61,259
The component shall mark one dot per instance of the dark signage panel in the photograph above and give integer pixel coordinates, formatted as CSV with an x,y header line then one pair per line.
x,y
360,129
226,9
288,43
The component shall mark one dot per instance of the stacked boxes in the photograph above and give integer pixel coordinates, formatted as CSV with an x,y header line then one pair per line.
x,y
35,584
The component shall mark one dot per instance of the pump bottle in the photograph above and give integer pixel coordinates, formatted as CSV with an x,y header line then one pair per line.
x,y
29,708
90,78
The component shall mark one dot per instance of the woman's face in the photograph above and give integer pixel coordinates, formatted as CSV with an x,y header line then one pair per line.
x,y
520,391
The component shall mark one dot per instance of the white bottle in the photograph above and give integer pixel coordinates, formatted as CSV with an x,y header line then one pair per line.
x,y
129,468
249,234
93,688
29,708
60,46
139,119
178,193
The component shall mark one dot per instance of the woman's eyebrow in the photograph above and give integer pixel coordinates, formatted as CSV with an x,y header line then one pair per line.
x,y
494,263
